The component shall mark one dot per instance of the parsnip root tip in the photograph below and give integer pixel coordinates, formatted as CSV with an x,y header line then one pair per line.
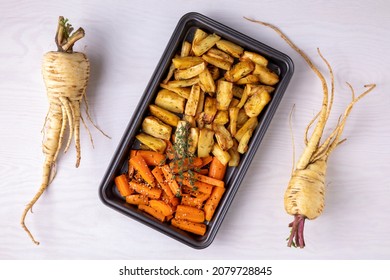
x,y
296,236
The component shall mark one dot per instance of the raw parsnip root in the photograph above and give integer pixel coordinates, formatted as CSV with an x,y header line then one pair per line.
x,y
305,194
66,75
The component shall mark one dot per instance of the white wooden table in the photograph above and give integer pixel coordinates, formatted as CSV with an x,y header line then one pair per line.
x,y
124,41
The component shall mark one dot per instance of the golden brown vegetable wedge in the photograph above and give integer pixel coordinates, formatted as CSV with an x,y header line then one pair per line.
x,y
266,76
256,103
233,117
231,48
186,62
192,102
155,144
216,53
239,70
220,63
222,117
205,142
249,79
193,140
206,82
224,95
223,136
182,91
185,49
221,155
255,57
184,83
243,144
170,101
210,109
205,44
156,128
188,73
251,123
164,115
234,154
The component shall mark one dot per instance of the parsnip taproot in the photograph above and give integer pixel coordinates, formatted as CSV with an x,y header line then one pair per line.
x,y
66,75
305,194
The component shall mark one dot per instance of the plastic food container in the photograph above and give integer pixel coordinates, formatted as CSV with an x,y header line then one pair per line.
x,y
278,62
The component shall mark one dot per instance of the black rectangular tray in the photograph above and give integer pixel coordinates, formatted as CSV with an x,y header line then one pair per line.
x,y
278,62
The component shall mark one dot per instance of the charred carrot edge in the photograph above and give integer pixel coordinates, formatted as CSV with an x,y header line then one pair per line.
x,y
203,171
206,179
186,165
196,228
158,215
133,153
140,165
137,199
152,158
187,199
213,201
206,160
122,185
169,151
175,188
217,169
159,175
153,193
197,185
189,213
161,206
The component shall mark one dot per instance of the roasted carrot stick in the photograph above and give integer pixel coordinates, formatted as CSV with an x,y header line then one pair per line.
x,y
185,164
189,213
197,185
206,179
140,165
137,199
152,158
122,185
175,188
133,153
217,169
159,175
196,228
151,192
161,206
158,215
213,201
206,160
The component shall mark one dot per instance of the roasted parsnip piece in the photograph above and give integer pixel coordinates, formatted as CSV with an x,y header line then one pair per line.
x,y
170,101
205,142
192,102
239,70
231,48
154,127
256,103
205,44
164,115
224,94
265,75
221,155
155,144
255,57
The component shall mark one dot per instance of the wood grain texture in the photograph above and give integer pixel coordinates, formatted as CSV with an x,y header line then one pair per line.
x,y
124,41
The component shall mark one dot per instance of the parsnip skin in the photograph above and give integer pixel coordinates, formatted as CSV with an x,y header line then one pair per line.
x,y
65,74
305,194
